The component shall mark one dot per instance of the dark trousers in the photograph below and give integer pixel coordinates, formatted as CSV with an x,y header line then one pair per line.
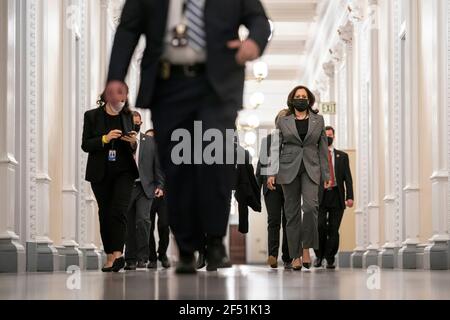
x,y
275,219
330,218
138,230
113,196
198,195
159,207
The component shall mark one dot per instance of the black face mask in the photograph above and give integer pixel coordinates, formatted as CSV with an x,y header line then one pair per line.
x,y
300,105
330,141
137,128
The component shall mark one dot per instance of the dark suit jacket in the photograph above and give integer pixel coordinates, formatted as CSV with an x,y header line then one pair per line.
x,y
150,172
222,20
344,179
263,163
94,128
247,192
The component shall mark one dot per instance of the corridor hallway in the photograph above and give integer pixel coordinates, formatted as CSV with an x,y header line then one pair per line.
x,y
380,72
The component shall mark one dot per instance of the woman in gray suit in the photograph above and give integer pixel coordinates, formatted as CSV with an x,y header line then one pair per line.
x,y
303,164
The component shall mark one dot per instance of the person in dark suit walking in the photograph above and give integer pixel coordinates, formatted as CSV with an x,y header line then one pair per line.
x,y
274,200
303,164
247,194
148,186
193,72
333,201
159,208
109,139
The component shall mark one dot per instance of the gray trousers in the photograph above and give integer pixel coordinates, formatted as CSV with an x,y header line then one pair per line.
x,y
301,233
138,226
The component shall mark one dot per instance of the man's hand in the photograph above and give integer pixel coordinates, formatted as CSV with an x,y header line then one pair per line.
x,y
248,50
327,184
349,203
271,183
159,193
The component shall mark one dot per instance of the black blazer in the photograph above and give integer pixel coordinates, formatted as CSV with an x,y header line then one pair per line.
x,y
150,172
263,163
222,20
247,192
94,128
344,179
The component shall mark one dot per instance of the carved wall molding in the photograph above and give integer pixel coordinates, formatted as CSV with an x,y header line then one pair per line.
x,y
32,104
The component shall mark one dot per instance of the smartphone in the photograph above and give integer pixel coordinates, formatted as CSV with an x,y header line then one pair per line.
x,y
129,134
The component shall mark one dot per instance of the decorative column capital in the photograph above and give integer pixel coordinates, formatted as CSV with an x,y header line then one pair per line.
x,y
337,53
114,12
328,68
346,33
356,11
321,84
73,19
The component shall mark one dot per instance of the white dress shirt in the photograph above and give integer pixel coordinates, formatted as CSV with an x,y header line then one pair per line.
x,y
136,155
182,55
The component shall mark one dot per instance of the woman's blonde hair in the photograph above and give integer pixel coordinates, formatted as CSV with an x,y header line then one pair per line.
x,y
280,114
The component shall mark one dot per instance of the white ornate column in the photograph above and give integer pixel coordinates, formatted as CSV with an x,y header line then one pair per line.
x,y
12,253
348,118
70,190
114,11
448,120
411,190
361,89
340,93
437,254
373,209
86,202
98,69
390,81
41,254
329,70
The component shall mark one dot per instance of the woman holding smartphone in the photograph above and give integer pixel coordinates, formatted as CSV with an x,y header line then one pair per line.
x,y
109,139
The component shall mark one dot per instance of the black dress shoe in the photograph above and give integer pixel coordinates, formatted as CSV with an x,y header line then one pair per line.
x,y
331,266
165,262
118,264
152,265
318,263
141,265
211,268
201,261
130,266
186,265
107,269
216,256
287,265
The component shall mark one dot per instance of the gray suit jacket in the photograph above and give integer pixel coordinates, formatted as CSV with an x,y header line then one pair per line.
x,y
150,172
313,151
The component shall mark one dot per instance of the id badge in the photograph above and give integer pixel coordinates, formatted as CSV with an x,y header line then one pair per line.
x,y
112,155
